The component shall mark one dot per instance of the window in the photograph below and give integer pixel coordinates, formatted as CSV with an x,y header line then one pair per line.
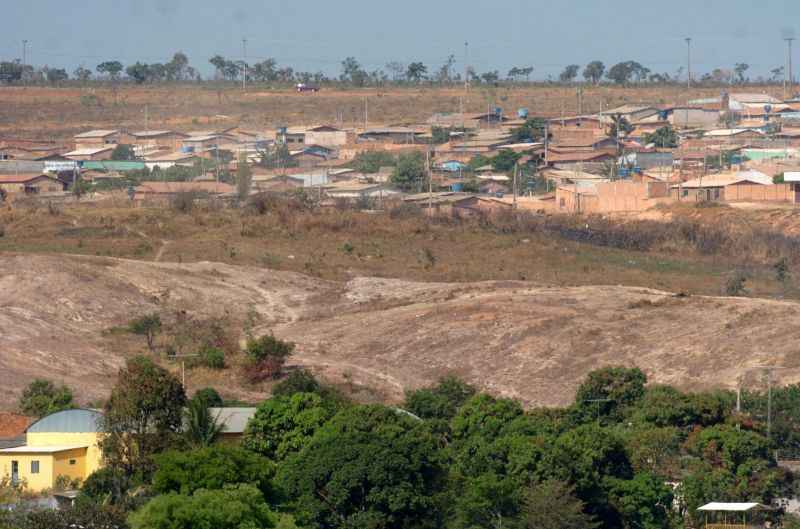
x,y
685,192
71,461
34,467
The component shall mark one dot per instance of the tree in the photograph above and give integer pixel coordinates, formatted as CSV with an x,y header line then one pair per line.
x,y
85,516
268,355
416,72
642,502
532,130
594,71
368,467
56,75
212,468
148,326
265,70
776,74
665,137
123,152
143,416
739,70
201,426
370,162
110,68
283,426
244,178
490,77
505,160
353,73
233,507
445,74
210,397
410,172
441,401
177,69
552,504
397,69
620,126
42,398
569,74
11,71
620,73
608,391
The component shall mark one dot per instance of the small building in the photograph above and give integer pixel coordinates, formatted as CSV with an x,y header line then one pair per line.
x,y
167,190
721,187
478,205
328,136
96,138
719,515
12,429
65,443
166,139
389,135
90,154
692,117
632,113
169,159
356,190
234,421
201,143
31,184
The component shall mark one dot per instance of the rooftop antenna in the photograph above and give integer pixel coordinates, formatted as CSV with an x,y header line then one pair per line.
x,y
688,63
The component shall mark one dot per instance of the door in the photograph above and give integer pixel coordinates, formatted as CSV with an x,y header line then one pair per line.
x,y
15,472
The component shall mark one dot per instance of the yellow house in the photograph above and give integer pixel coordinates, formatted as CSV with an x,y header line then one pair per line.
x,y
62,444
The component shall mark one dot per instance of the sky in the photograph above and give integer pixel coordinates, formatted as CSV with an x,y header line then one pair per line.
x,y
315,35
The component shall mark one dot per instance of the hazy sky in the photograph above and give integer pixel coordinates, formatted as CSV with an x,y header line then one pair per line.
x,y
317,34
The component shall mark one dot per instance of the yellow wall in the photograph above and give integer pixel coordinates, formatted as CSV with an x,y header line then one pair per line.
x,y
62,466
94,456
34,482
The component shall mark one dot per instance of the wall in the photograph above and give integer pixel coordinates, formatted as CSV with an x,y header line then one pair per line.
x,y
328,138
35,482
759,193
613,197
94,456
693,117
61,466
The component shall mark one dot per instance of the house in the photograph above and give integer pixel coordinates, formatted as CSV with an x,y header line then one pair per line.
x,y
724,186
165,139
742,101
166,190
65,443
328,136
479,206
356,190
792,178
201,143
632,113
234,421
389,135
31,184
169,159
692,117
584,143
96,138
589,161
90,154
598,197
306,158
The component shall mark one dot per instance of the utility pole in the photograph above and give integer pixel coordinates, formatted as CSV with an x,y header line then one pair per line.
x,y
466,68
244,64
430,183
516,171
366,113
688,63
788,80
24,57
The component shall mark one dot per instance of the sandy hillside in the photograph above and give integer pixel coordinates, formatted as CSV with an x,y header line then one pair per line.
x,y
515,339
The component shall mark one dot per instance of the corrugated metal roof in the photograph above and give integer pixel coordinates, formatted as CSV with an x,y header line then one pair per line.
x,y
234,419
732,507
68,421
96,134
27,449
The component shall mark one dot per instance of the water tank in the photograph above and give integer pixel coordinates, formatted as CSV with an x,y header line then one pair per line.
x,y
522,113
187,148
457,187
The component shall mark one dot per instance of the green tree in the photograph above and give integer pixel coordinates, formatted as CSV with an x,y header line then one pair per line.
x,y
210,396
42,398
82,74
665,137
620,126
87,516
505,160
368,467
143,416
244,178
371,161
298,381
416,72
410,172
202,427
268,355
552,504
212,468
56,75
642,502
532,130
123,152
148,326
569,74
282,426
441,401
353,73
607,392
233,507
110,68
740,70
594,71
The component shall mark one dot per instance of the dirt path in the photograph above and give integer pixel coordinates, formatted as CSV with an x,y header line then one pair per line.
x,y
160,252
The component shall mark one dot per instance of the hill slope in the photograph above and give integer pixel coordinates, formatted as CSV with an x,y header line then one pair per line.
x,y
515,339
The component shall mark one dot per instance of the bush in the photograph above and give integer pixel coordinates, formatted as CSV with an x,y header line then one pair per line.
x,y
300,381
212,357
209,396
148,326
268,355
184,201
735,286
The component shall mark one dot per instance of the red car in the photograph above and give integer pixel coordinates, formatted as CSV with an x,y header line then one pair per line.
x,y
302,87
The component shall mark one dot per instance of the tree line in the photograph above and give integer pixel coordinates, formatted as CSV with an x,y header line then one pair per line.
x,y
353,73
448,456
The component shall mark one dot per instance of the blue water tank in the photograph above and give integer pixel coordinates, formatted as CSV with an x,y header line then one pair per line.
x,y
498,111
522,113
457,187
187,148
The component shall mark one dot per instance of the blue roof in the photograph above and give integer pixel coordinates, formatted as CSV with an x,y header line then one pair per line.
x,y
68,421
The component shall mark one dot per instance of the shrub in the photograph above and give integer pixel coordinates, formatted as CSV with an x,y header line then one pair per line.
x,y
735,286
183,202
42,397
268,355
148,326
209,396
212,357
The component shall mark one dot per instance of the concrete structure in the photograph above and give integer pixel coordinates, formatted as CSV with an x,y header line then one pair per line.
x,y
610,197
329,136
692,117
65,443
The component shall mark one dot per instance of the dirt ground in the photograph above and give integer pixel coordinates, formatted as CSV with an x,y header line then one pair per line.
x,y
58,113
518,339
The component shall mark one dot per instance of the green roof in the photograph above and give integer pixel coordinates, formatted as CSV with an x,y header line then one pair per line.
x,y
113,165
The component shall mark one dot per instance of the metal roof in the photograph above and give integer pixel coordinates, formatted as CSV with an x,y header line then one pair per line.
x,y
234,419
96,134
68,421
732,507
41,449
